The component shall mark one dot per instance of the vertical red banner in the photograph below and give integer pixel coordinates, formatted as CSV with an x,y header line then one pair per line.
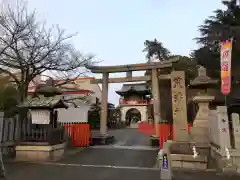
x,y
226,55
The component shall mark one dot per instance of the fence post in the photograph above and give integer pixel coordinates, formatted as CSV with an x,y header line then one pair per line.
x,y
1,126
2,171
17,134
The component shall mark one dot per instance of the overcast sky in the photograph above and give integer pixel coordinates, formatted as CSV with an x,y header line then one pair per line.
x,y
115,30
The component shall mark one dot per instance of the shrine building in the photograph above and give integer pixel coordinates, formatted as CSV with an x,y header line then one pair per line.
x,y
133,103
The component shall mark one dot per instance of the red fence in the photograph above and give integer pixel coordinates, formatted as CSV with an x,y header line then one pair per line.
x,y
166,131
80,134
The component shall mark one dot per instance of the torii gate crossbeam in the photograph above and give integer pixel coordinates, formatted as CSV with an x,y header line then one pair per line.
x,y
105,70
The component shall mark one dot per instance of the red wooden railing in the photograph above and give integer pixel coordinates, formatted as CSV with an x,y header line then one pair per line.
x,y
166,131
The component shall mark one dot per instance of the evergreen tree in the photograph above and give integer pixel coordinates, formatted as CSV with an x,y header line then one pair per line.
x,y
223,25
156,47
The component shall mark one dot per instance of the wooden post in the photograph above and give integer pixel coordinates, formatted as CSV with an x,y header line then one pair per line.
x,y
156,99
1,126
104,105
2,169
129,74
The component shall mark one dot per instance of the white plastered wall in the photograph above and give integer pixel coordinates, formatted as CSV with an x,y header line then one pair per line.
x,y
142,110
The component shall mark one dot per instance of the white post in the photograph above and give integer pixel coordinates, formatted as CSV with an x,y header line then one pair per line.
x,y
166,162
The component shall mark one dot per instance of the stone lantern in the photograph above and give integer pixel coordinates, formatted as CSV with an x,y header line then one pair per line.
x,y
44,137
200,130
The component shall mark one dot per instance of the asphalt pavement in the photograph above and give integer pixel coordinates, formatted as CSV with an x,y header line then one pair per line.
x,y
129,158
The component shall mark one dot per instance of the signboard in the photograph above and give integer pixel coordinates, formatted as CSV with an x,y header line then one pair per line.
x,y
226,55
40,116
165,162
71,115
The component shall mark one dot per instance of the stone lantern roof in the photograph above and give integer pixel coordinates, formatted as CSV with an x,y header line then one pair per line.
x,y
203,81
45,97
45,103
48,91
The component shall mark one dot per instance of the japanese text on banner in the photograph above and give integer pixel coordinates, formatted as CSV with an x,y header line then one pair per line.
x,y
226,55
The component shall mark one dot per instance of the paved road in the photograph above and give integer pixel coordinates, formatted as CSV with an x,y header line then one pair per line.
x,y
130,137
129,158
63,172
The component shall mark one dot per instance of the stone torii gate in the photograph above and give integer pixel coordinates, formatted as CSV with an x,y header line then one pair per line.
x,y
178,94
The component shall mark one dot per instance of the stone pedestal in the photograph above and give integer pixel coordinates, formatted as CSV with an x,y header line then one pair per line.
x,y
221,140
102,140
222,163
36,152
200,130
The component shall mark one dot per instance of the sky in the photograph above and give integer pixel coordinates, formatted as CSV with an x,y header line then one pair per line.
x,y
115,30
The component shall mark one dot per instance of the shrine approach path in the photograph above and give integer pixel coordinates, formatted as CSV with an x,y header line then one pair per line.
x,y
130,157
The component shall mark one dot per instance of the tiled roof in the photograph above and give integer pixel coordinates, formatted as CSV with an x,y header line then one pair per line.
x,y
50,102
134,87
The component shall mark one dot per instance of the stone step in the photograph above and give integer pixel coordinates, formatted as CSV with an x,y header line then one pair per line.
x,y
134,125
181,148
186,148
188,161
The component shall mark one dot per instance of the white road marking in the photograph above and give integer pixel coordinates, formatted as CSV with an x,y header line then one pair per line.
x,y
121,143
146,148
97,166
136,147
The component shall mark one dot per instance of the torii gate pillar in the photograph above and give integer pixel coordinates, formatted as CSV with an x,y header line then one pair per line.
x,y
104,105
156,100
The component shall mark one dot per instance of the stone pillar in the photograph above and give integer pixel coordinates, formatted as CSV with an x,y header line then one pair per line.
x,y
156,99
223,127
219,128
236,130
200,129
179,107
104,105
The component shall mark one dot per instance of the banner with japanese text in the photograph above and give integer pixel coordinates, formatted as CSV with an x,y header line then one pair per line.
x,y
226,55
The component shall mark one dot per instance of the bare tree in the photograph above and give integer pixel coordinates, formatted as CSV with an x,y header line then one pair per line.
x,y
28,48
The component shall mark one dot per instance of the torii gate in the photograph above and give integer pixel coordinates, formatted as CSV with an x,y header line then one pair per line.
x,y
179,106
